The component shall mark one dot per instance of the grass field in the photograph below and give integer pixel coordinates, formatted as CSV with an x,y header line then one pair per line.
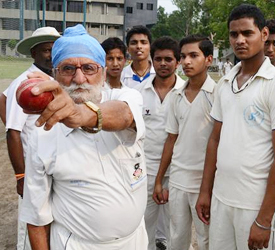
x,y
10,67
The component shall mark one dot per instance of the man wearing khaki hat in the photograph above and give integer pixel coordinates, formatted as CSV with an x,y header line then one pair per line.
x,y
18,124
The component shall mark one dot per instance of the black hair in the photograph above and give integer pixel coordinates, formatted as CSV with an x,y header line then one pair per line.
x,y
113,43
271,25
138,30
205,45
247,11
165,42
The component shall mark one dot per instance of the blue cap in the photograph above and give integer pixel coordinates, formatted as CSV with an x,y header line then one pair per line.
x,y
76,42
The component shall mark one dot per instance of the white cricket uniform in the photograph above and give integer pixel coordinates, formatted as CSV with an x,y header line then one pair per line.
x,y
227,67
92,186
131,80
155,114
245,154
193,124
16,119
220,65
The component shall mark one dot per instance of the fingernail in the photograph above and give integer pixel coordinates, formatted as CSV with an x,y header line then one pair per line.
x,y
37,124
35,90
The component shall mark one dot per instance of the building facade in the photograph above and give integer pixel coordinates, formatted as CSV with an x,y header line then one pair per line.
x,y
102,18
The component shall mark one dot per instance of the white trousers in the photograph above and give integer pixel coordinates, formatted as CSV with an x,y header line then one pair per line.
x,y
156,216
23,242
182,213
230,227
63,239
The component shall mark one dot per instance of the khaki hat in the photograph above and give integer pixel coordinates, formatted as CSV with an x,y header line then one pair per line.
x,y
41,35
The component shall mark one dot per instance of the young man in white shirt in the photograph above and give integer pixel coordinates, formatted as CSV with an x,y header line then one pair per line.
x,y
227,66
115,51
220,65
269,46
239,172
189,125
156,95
138,41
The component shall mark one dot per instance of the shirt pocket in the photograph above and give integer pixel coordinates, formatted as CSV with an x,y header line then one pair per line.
x,y
134,173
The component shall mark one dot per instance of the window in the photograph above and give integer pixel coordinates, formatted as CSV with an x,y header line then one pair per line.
x,y
10,23
150,6
73,6
129,10
140,6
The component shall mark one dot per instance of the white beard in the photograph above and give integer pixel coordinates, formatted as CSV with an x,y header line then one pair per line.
x,y
84,92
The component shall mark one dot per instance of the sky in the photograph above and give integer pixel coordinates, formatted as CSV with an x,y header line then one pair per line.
x,y
167,5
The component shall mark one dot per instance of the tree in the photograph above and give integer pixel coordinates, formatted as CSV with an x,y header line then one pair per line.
x,y
161,27
220,10
12,44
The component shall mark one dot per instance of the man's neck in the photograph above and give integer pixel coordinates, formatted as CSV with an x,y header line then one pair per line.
x,y
252,65
141,66
196,82
46,71
114,82
165,83
163,86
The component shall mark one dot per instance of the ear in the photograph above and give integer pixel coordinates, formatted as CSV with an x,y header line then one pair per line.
x,y
209,60
33,53
265,34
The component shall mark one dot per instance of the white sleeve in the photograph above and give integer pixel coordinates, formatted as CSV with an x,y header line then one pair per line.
x,y
36,206
216,111
15,117
172,125
135,102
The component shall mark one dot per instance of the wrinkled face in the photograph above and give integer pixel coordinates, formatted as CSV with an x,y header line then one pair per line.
x,y
115,61
41,54
193,60
246,39
164,63
82,78
269,48
139,47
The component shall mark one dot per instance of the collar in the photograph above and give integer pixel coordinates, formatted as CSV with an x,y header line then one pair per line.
x,y
266,71
208,86
129,72
179,83
46,71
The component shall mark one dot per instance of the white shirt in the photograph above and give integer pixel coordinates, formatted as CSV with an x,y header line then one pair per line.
x,y
155,115
16,119
220,65
245,151
92,184
227,67
128,74
193,124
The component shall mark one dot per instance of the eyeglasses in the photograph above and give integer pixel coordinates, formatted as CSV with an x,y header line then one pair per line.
x,y
70,70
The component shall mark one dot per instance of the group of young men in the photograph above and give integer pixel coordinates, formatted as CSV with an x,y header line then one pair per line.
x,y
128,158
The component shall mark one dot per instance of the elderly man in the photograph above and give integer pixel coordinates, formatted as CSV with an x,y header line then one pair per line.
x,y
18,124
85,184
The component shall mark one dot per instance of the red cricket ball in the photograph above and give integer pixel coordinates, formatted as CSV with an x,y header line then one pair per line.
x,y
29,102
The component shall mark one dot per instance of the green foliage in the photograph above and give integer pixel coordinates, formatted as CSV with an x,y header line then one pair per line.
x,y
12,43
208,17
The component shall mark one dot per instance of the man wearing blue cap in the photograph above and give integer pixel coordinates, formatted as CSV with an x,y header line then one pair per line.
x,y
85,183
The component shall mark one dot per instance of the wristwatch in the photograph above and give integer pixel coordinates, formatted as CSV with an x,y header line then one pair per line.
x,y
97,110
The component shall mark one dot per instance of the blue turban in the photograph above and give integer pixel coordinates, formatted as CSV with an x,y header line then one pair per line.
x,y
76,42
